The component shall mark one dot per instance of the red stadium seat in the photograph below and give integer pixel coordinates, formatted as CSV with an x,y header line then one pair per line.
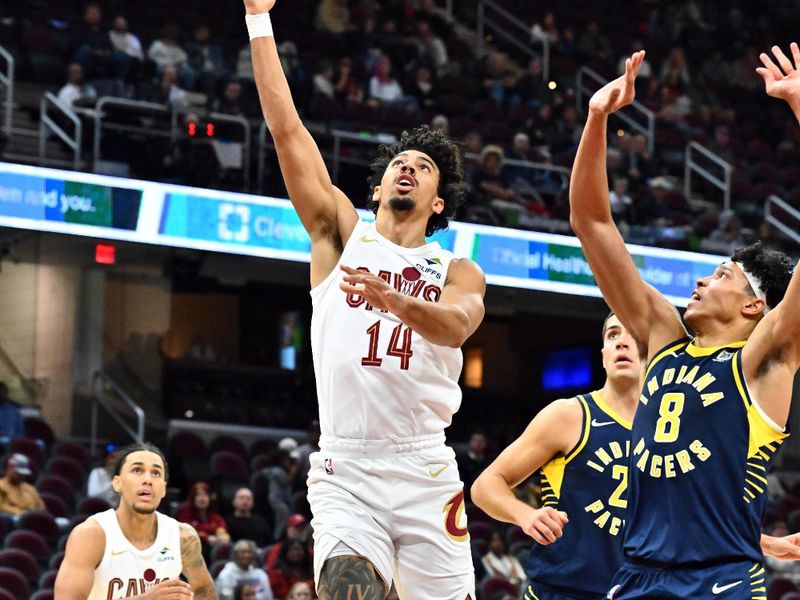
x,y
260,462
494,586
54,505
43,595
185,443
48,579
55,560
72,450
30,448
68,468
6,595
778,586
20,561
262,446
481,530
216,567
228,443
91,505
41,522
29,541
38,429
227,464
221,551
14,583
58,486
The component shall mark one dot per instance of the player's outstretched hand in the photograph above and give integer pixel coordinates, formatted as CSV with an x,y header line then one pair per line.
x,y
782,80
545,525
254,7
171,589
373,289
782,548
620,92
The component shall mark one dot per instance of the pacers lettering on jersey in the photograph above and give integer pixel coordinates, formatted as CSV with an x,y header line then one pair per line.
x,y
613,460
685,385
409,282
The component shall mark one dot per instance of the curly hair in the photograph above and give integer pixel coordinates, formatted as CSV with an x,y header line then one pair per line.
x,y
772,267
445,153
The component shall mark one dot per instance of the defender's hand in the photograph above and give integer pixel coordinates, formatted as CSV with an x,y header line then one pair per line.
x,y
782,80
620,92
545,525
782,548
254,7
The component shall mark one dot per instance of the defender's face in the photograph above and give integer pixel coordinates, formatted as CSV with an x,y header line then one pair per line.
x,y
720,296
411,180
141,483
620,354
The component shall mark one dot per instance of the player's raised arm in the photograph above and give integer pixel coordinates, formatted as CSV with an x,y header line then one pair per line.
x,y
549,434
643,311
322,208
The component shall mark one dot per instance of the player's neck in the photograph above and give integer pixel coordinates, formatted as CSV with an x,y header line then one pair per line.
x,y
402,229
715,335
622,395
139,529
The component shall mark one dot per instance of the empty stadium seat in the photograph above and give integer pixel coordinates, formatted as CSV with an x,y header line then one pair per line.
x,y
20,561
41,522
14,584
57,486
68,468
72,450
29,541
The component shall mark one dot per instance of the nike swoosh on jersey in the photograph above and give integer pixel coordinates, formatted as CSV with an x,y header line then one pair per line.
x,y
596,423
118,552
718,589
367,240
436,473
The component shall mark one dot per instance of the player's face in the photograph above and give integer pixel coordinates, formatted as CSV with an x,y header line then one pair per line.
x,y
720,296
620,354
410,183
141,482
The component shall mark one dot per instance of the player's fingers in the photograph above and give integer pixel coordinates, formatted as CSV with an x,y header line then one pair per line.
x,y
350,270
351,289
784,62
553,525
537,537
563,516
795,54
773,68
543,529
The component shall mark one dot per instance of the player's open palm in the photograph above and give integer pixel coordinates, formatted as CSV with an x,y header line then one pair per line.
x,y
620,92
782,80
254,7
545,525
171,589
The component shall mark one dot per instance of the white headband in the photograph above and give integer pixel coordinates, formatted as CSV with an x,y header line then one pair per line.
x,y
755,283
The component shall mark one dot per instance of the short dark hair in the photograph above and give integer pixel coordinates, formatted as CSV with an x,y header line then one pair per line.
x,y
239,589
140,447
605,323
773,269
446,154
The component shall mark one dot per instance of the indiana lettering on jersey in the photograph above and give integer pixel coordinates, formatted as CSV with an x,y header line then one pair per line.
x,y
409,282
684,384
133,587
611,459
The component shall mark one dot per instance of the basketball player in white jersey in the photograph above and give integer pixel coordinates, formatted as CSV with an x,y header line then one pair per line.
x,y
133,551
390,314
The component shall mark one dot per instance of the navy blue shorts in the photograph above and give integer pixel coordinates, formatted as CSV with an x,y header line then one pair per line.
x,y
729,581
534,591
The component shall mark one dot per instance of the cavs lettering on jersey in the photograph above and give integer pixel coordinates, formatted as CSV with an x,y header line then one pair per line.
x,y
376,377
126,571
590,485
700,452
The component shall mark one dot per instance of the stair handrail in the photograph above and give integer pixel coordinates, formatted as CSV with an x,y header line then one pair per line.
x,y
489,15
102,382
774,200
692,166
30,385
7,80
48,125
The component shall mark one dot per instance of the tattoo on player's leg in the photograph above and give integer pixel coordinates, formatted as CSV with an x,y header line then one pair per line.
x,y
350,578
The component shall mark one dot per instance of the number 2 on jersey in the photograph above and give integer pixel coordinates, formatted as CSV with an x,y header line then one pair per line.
x,y
401,350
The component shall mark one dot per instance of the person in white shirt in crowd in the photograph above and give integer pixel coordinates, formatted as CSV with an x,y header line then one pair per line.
x,y
75,89
384,89
100,484
241,570
124,41
500,564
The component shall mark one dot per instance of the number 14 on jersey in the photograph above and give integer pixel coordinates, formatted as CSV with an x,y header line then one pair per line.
x,y
399,346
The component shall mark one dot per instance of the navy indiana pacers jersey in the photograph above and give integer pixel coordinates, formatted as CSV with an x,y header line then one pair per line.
x,y
590,485
700,454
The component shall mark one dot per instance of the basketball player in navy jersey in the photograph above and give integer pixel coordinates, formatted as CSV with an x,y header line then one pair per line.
x,y
390,313
713,408
581,445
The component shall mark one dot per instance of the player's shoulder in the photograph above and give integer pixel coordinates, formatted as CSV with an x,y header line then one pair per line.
x,y
564,410
465,270
88,536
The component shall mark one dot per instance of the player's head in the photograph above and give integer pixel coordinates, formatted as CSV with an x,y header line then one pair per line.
x,y
621,359
742,289
423,172
140,477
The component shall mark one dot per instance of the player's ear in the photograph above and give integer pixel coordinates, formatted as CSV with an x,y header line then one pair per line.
x,y
376,194
116,484
438,205
754,307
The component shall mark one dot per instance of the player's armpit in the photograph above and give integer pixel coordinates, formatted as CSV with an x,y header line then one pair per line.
x,y
350,577
193,566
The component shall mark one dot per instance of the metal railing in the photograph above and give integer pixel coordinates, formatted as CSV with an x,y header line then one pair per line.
x,y
692,166
49,124
102,384
247,143
494,19
584,92
7,81
33,388
772,202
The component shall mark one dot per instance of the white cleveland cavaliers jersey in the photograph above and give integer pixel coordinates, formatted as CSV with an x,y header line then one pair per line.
x,y
376,378
126,571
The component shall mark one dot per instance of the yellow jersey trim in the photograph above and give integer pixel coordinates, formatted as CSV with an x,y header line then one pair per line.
x,y
587,425
601,404
696,351
554,474
762,434
553,471
666,351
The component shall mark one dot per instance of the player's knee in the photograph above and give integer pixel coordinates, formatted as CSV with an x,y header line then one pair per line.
x,y
350,577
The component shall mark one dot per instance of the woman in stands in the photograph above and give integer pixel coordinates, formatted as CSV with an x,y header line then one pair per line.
x,y
199,511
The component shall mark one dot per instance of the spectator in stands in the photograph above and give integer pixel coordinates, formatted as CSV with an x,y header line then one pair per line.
x,y
205,61
717,69
75,89
645,70
293,566
544,128
281,479
648,207
165,90
166,52
301,591
92,49
722,145
640,163
242,570
675,68
384,89
520,150
593,44
621,201
566,134
199,511
567,45
244,64
500,564
296,528
295,73
473,142
496,65
546,30
504,91
727,237
474,460
244,591
441,123
244,524
345,80
531,88
333,16
431,51
423,88
99,483
11,423
232,101
17,495
323,80
124,41
310,446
